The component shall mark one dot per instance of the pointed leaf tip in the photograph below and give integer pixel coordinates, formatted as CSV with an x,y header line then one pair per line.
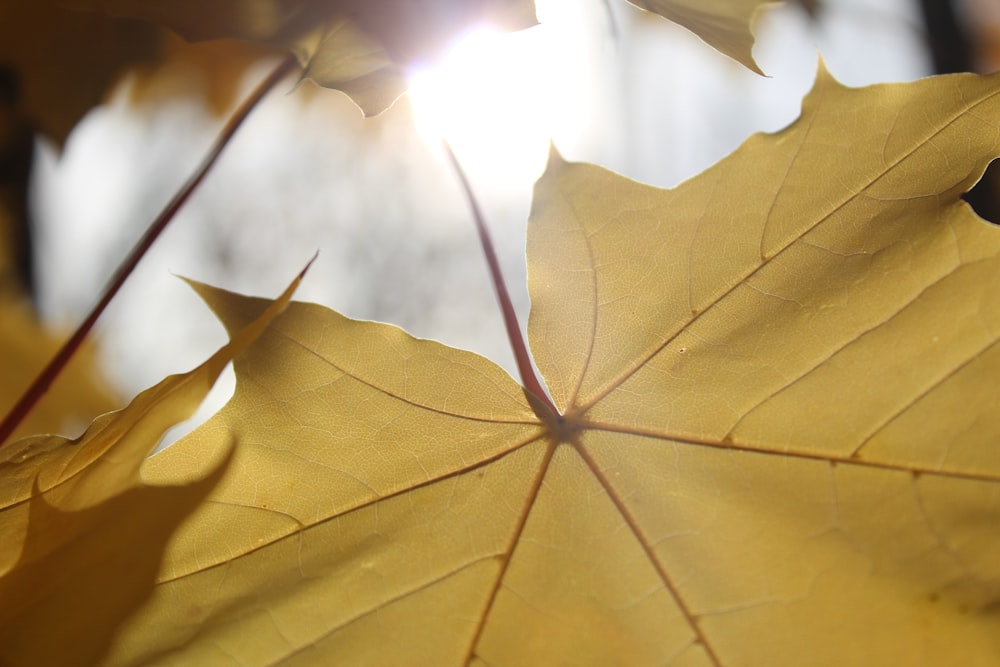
x,y
823,74
556,163
212,297
555,157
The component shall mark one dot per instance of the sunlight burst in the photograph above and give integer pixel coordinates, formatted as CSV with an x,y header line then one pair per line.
x,y
491,96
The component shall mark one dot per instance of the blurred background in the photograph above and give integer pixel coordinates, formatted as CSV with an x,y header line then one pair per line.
x,y
604,81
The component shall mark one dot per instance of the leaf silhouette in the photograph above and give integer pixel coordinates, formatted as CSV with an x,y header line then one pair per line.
x,y
356,46
777,440
81,535
723,24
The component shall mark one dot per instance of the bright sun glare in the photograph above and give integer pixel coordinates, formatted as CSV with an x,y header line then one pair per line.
x,y
491,97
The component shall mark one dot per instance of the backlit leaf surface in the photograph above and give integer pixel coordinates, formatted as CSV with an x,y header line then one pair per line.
x,y
778,441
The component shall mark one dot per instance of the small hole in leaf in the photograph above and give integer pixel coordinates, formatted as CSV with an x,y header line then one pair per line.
x,y
217,397
984,198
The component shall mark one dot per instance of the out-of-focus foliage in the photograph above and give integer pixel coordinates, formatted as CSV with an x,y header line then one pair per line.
x,y
358,46
61,62
79,395
55,64
362,46
212,71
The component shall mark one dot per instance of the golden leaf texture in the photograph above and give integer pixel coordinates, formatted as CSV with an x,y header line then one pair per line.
x,y
777,439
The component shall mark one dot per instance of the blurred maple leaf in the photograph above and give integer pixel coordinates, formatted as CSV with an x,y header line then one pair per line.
x,y
65,61
359,46
211,71
55,65
356,46
75,399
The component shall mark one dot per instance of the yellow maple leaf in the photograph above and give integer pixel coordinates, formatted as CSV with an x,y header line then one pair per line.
x,y
81,533
776,439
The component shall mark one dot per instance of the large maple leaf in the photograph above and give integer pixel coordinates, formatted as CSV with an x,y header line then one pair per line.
x,y
776,439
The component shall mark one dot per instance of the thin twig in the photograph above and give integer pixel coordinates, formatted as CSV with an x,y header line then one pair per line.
x,y
48,375
547,411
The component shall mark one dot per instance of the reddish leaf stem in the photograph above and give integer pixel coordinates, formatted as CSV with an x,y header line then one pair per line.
x,y
546,411
51,371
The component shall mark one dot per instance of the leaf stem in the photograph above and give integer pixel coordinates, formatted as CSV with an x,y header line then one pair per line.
x,y
542,404
51,371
